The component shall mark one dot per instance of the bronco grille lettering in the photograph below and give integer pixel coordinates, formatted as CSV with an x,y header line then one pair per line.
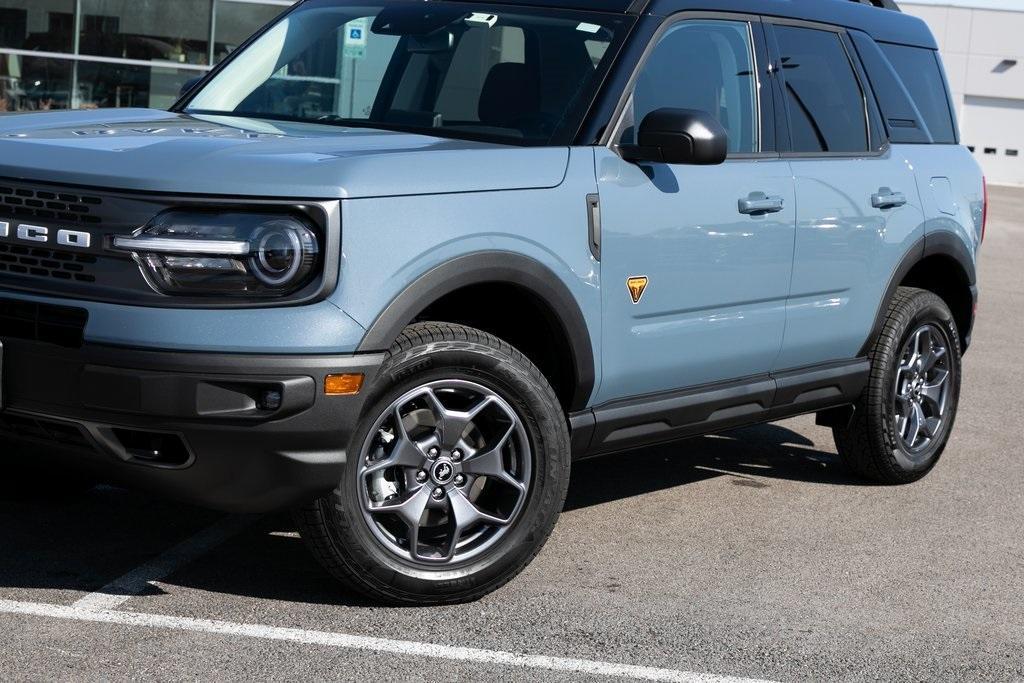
x,y
76,239
33,233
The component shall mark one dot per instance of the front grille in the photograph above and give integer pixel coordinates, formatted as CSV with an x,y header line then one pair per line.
x,y
62,433
22,202
60,265
60,325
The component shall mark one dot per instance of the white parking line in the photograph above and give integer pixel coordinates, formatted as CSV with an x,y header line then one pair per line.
x,y
365,643
124,588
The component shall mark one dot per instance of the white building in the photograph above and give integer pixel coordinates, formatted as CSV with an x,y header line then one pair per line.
x,y
982,45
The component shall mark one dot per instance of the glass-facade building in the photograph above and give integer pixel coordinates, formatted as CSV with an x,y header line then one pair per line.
x,y
84,54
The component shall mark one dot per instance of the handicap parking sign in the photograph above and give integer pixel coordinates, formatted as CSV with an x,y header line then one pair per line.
x,y
355,39
355,33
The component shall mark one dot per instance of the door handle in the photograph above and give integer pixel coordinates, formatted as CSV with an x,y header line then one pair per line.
x,y
758,204
887,199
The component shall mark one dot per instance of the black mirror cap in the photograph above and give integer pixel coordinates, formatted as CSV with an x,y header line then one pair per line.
x,y
679,136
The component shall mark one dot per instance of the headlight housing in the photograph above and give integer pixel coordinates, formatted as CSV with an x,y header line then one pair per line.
x,y
230,254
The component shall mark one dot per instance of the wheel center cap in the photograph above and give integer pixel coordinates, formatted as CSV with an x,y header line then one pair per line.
x,y
442,472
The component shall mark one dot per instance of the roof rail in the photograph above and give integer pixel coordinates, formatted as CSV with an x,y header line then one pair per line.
x,y
884,4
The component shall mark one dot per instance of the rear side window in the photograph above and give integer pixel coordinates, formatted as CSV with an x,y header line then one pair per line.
x,y
823,96
919,70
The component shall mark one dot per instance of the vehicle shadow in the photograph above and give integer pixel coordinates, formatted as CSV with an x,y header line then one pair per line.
x,y
749,455
82,543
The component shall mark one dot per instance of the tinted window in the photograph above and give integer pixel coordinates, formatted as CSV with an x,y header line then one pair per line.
x,y
703,65
919,70
824,99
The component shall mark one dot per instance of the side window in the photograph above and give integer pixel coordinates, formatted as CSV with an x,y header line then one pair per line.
x,y
919,70
823,97
707,65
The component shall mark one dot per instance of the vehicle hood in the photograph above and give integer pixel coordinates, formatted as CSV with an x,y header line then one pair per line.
x,y
157,151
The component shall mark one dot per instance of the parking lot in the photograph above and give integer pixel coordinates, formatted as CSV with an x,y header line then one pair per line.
x,y
747,554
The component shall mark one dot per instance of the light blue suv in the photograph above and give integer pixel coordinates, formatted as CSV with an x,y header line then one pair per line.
x,y
395,265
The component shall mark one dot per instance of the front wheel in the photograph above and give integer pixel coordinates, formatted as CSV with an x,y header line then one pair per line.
x,y
905,415
455,477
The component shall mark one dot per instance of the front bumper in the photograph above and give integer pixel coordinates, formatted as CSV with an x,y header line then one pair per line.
x,y
194,426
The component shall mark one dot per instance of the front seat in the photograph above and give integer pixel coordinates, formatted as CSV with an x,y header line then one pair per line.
x,y
510,97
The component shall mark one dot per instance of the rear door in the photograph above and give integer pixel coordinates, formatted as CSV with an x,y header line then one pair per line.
x,y
857,205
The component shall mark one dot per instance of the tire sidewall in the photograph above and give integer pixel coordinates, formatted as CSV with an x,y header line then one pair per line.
x,y
548,441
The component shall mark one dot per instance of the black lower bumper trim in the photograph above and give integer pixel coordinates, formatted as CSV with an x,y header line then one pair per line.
x,y
190,425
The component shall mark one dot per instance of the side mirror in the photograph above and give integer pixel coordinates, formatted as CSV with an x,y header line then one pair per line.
x,y
188,85
678,136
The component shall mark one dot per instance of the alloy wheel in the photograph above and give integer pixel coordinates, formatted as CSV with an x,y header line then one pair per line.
x,y
922,388
444,473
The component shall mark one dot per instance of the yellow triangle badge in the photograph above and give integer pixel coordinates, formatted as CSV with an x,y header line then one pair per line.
x,y
636,285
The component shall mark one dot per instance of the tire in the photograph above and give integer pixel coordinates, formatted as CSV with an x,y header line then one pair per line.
x,y
881,442
363,532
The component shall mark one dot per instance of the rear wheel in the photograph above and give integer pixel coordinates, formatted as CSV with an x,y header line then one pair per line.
x,y
454,480
905,414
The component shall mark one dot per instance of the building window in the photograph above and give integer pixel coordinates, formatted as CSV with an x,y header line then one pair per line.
x,y
123,85
130,53
34,83
174,31
43,25
236,21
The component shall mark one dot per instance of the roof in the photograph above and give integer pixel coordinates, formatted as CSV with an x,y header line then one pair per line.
x,y
881,24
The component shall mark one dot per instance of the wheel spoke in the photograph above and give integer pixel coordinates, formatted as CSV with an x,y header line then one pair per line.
x,y
931,426
450,424
467,514
491,462
409,509
404,453
475,411
932,393
933,356
922,344
904,420
915,422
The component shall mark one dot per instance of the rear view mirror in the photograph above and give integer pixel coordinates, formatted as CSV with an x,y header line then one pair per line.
x,y
439,41
678,136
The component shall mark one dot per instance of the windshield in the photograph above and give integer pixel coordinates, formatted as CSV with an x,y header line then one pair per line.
x,y
518,75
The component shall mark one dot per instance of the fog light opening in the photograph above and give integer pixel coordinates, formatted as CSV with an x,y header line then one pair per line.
x,y
153,448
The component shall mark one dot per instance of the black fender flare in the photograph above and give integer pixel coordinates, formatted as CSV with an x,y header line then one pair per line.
x,y
503,267
940,243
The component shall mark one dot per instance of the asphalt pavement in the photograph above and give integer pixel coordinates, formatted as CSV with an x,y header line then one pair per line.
x,y
748,554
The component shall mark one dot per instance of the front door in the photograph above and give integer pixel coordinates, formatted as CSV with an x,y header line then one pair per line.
x,y
717,272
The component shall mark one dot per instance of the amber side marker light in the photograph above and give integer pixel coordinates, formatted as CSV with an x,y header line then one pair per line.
x,y
343,385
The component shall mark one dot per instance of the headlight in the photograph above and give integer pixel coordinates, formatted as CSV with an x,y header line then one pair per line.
x,y
228,254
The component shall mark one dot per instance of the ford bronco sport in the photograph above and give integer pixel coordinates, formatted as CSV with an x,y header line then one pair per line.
x,y
394,264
